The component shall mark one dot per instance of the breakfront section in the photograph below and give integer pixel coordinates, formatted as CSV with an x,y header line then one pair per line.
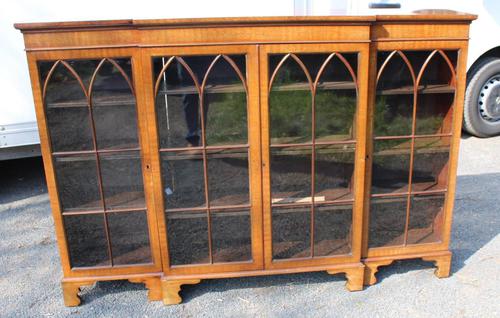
x,y
182,150
414,120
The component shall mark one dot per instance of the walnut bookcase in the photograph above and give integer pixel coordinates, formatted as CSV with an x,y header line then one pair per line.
x,y
182,150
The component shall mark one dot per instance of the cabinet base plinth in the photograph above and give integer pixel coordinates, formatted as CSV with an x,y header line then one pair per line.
x,y
442,260
171,288
70,292
353,275
71,286
442,263
153,284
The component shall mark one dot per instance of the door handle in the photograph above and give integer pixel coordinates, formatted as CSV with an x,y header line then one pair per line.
x,y
384,5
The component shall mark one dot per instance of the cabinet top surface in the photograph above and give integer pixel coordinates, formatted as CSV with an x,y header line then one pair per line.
x,y
421,16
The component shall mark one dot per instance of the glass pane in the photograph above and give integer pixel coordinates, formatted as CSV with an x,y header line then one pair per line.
x,y
434,113
426,219
231,240
226,104
228,177
291,174
437,72
67,112
393,115
334,172
183,179
113,107
394,99
129,237
332,230
86,239
336,101
430,163
391,165
122,180
291,232
387,221
177,106
290,102
417,59
77,182
85,69
188,238
436,97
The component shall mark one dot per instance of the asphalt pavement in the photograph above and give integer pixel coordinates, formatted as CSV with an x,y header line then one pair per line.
x,y
30,272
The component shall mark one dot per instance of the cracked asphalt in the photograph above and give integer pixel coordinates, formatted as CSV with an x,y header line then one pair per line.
x,y
30,270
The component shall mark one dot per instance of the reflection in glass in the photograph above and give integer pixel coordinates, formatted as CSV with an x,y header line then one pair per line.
x,y
122,180
334,172
434,114
335,101
393,115
187,238
426,219
437,71
290,102
430,166
387,221
391,165
113,107
291,232
436,96
231,240
86,239
177,101
394,99
291,174
77,182
67,113
177,106
129,238
183,181
228,177
226,104
332,230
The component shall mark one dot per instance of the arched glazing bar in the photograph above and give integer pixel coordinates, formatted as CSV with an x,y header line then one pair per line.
x,y
70,69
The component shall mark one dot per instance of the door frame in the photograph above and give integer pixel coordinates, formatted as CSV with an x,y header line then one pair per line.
x,y
360,127
252,79
95,271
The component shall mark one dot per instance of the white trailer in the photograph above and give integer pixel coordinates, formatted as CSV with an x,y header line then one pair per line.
x,y
18,129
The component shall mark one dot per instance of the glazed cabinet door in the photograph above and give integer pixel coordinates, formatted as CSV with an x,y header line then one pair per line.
x,y
412,134
207,170
94,152
313,100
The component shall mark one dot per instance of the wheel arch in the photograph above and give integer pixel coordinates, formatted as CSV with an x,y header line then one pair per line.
x,y
493,52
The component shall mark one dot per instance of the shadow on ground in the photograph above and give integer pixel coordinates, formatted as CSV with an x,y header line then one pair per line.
x,y
21,179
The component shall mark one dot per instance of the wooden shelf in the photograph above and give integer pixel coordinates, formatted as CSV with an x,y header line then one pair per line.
x,y
239,88
422,89
104,101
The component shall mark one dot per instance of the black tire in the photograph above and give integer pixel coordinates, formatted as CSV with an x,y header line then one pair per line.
x,y
474,123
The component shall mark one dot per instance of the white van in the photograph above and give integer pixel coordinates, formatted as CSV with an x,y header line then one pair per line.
x,y
18,129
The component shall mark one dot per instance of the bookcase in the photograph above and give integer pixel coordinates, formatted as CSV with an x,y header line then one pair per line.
x,y
190,149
